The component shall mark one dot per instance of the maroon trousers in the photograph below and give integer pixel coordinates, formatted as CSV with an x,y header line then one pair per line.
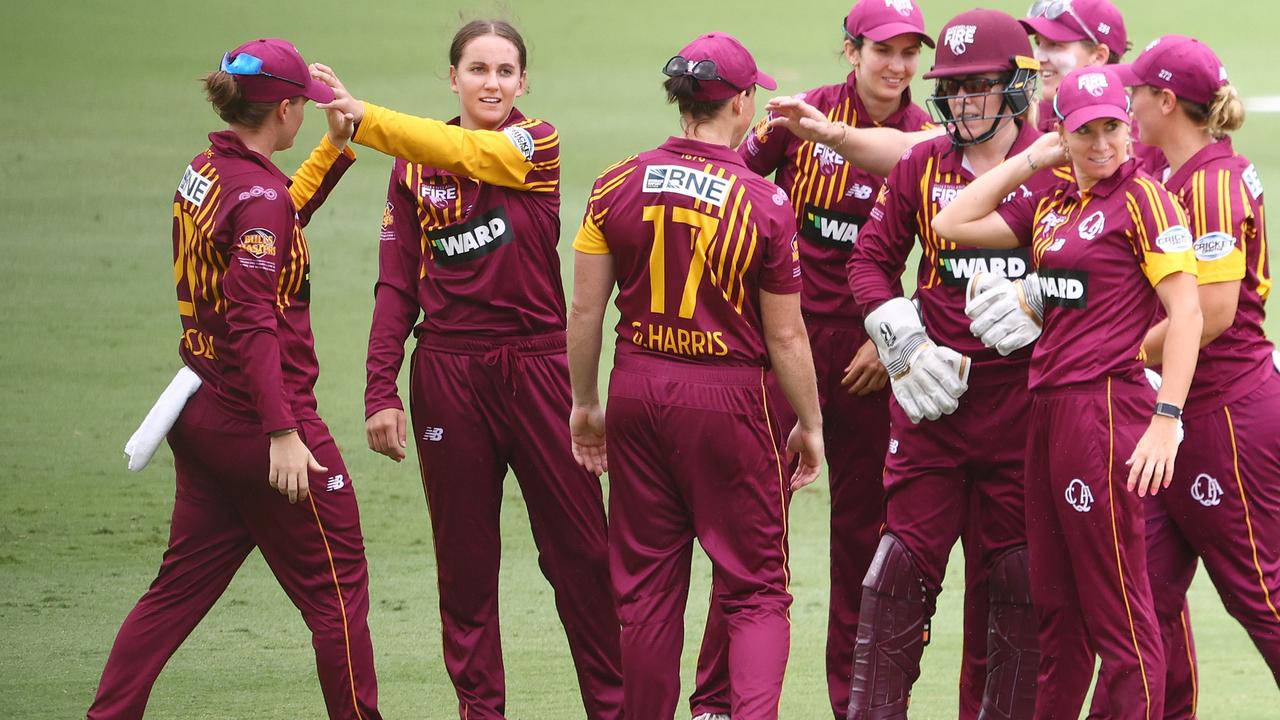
x,y
693,453
1086,537
1223,507
223,508
856,434
479,406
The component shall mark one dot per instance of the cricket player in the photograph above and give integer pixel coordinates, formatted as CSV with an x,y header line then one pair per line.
x,y
1222,506
954,465
256,466
1071,34
468,265
1111,248
831,198
704,254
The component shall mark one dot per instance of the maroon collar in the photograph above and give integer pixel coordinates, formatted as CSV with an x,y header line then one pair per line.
x,y
952,161
1213,151
720,153
864,116
513,118
228,143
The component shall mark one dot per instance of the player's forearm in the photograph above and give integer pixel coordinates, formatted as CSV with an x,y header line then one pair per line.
x,y
393,317
317,176
585,336
1182,339
970,217
486,155
787,343
877,150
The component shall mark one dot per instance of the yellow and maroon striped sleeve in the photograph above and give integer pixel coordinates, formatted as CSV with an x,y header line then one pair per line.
x,y
590,238
1160,224
310,177
1221,217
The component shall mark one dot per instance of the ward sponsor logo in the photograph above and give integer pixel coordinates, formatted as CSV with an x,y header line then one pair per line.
x,y
686,181
1214,246
956,267
830,228
472,239
1065,288
193,186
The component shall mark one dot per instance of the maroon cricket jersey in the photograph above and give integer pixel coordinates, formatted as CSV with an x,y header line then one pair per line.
x,y
831,197
928,177
1099,254
243,275
694,235
470,257
1222,194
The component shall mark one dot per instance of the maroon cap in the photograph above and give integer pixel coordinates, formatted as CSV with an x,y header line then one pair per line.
x,y
735,69
1089,93
1179,63
271,70
884,19
980,41
1071,20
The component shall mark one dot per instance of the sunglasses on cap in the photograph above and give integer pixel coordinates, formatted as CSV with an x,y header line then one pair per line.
x,y
702,70
1054,9
973,85
246,64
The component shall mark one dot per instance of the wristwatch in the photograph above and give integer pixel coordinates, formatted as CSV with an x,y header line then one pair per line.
x,y
1168,410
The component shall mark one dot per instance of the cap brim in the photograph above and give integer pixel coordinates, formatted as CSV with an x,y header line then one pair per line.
x,y
894,29
1086,115
1126,74
766,81
317,91
1052,29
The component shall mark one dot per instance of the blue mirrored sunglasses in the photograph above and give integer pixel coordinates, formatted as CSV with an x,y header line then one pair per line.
x,y
246,64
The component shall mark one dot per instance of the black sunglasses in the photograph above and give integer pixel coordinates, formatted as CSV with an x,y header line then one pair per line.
x,y
976,85
701,70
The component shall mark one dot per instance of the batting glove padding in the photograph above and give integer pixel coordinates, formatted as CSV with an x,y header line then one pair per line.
x,y
1006,315
927,379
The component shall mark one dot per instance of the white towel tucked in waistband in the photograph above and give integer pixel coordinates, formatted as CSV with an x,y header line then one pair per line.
x,y
155,426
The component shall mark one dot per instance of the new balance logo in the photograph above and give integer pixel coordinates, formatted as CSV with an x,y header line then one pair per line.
x,y
433,434
337,482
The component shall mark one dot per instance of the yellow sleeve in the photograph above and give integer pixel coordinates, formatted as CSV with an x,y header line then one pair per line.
x,y
486,155
590,238
1219,259
1173,254
310,175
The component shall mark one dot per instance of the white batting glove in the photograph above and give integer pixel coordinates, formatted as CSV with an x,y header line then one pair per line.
x,y
1275,359
1006,315
927,379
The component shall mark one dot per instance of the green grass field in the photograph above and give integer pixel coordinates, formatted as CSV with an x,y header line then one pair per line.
x,y
103,111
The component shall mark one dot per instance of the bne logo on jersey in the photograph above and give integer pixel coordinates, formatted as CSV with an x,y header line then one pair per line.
x,y
1064,288
194,186
902,7
1092,226
957,266
1206,490
944,194
828,160
1079,496
959,37
686,181
830,228
472,239
441,196
1093,83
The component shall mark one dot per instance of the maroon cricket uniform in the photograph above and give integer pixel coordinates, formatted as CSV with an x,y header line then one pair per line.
x,y
695,236
959,476
1222,506
1098,253
468,244
243,284
831,199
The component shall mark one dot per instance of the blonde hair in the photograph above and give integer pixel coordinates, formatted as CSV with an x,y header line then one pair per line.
x,y
1222,115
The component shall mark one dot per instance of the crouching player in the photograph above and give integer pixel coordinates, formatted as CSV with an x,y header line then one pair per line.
x,y
703,252
1111,248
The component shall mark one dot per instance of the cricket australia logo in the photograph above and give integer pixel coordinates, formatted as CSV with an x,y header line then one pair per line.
x,y
1079,496
1206,490
959,37
902,7
1093,83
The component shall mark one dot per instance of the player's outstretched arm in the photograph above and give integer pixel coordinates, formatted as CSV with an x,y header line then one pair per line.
x,y
787,342
593,279
875,150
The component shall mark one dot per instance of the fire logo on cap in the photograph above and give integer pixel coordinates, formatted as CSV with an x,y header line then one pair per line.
x,y
1093,83
959,36
902,7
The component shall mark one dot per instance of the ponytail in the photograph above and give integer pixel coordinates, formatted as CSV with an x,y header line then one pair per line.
x,y
680,90
1226,112
223,92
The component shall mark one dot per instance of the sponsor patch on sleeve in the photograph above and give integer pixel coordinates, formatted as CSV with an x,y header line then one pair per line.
x,y
1252,181
1214,246
388,231
521,139
1175,239
260,244
194,187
